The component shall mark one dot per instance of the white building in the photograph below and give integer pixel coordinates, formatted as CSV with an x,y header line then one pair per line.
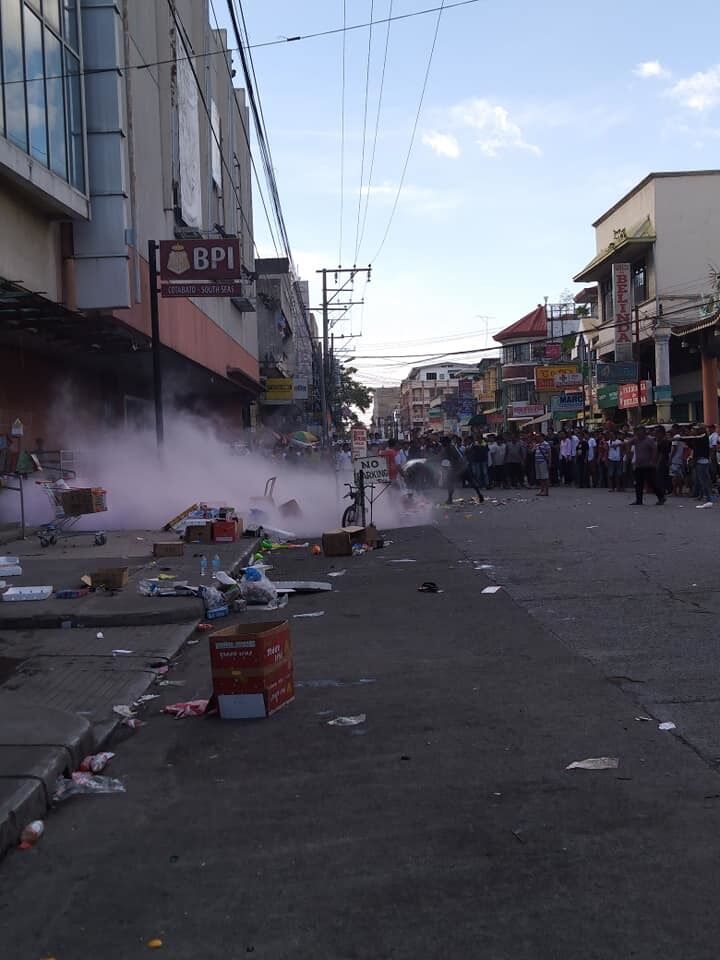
x,y
422,386
668,229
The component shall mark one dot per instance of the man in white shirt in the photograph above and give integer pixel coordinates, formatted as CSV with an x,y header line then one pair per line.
x,y
567,456
616,465
592,462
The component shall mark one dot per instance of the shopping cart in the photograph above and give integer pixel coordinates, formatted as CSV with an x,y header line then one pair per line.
x,y
69,504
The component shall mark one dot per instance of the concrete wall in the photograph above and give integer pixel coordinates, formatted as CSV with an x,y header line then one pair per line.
x,y
632,213
688,233
29,243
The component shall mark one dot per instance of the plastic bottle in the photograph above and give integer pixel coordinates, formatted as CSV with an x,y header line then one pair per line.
x,y
216,564
203,566
31,834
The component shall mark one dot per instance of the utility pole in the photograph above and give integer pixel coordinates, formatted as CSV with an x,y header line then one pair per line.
x,y
327,298
637,357
155,333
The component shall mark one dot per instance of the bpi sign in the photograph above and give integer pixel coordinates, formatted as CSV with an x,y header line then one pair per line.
x,y
200,260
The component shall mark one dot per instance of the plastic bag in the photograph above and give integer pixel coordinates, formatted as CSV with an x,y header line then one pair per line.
x,y
212,598
191,708
96,763
82,783
256,588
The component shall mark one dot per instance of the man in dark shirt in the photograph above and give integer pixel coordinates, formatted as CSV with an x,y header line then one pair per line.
x,y
701,455
645,467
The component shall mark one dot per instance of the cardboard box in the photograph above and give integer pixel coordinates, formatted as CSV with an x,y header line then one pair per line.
x,y
247,646
252,669
278,692
198,531
224,531
290,510
339,543
171,548
113,578
83,500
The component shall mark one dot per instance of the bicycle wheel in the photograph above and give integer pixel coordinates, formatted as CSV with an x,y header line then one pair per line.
x,y
349,518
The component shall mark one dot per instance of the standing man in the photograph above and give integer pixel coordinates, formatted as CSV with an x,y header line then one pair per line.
x,y
592,460
645,450
542,455
701,447
514,456
581,460
566,458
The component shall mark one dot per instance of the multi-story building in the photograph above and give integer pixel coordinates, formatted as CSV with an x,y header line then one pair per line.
x,y
120,125
422,386
523,345
667,228
386,411
487,386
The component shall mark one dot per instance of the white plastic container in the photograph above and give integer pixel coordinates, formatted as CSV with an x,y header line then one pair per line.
x,y
27,593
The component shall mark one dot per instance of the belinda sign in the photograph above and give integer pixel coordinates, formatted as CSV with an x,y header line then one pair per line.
x,y
623,315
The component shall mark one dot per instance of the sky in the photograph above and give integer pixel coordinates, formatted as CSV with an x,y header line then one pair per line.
x,y
536,118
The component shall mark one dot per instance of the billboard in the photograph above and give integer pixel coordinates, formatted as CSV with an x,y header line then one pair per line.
x,y
626,372
570,402
528,410
545,376
628,394
621,286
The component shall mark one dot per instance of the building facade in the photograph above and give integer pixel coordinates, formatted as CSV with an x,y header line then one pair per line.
x,y
667,228
386,419
120,125
422,386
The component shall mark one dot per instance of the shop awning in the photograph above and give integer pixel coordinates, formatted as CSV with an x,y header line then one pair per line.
x,y
628,246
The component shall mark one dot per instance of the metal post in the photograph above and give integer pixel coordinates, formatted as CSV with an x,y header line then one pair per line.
x,y
155,332
323,366
637,352
21,484
361,495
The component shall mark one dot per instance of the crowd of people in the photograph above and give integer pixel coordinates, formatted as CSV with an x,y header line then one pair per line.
x,y
674,461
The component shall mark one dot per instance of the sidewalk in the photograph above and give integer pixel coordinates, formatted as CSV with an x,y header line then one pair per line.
x,y
58,686
446,823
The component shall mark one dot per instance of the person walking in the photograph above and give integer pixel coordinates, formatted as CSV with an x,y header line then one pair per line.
x,y
542,456
498,462
645,452
677,465
514,457
477,457
701,447
566,458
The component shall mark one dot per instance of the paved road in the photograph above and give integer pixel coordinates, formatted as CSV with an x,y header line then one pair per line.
x,y
447,824
634,590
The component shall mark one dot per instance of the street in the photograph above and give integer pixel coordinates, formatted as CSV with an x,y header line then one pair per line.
x,y
447,821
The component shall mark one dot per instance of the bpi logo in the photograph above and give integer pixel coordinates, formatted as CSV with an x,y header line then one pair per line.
x,y
200,260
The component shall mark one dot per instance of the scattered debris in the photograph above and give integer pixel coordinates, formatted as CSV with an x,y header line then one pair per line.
x,y
348,721
31,835
485,566
302,586
667,725
595,526
123,710
703,506
402,561
171,683
429,587
84,784
644,719
301,616
338,573
146,698
191,708
595,763
491,589
100,636
27,593
154,944
320,684
123,653
132,723
96,763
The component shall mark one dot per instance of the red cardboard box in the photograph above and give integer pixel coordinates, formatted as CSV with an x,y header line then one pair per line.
x,y
252,669
250,645
255,697
224,531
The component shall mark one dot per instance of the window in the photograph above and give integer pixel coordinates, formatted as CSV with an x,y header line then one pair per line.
x,y
41,104
431,376
518,392
639,282
606,292
441,376
517,353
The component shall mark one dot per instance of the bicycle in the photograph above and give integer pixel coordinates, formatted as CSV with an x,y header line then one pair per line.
x,y
353,513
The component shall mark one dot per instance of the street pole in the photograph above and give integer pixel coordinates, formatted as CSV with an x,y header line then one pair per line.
x,y
155,332
637,357
323,366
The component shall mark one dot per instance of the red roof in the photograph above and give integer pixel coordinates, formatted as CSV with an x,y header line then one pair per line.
x,y
532,326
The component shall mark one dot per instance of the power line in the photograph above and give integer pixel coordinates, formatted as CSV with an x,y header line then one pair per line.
x,y
96,71
413,134
342,131
377,128
364,136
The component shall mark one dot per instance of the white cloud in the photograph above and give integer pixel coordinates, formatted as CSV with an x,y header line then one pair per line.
x,y
649,69
498,131
444,144
701,91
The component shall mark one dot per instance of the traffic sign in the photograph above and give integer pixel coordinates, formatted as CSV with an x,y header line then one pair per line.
x,y
375,469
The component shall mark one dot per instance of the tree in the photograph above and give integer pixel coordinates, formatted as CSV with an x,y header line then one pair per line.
x,y
352,393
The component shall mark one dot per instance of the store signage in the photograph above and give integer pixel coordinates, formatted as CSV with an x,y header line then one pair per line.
x,y
528,410
552,351
569,402
301,389
617,372
199,290
495,418
622,321
278,390
628,394
607,396
564,380
545,375
358,442
197,260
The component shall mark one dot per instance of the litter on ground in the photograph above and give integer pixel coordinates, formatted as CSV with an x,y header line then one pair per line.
x,y
348,721
595,763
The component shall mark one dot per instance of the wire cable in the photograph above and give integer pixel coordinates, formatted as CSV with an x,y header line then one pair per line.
x,y
377,128
413,134
364,135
